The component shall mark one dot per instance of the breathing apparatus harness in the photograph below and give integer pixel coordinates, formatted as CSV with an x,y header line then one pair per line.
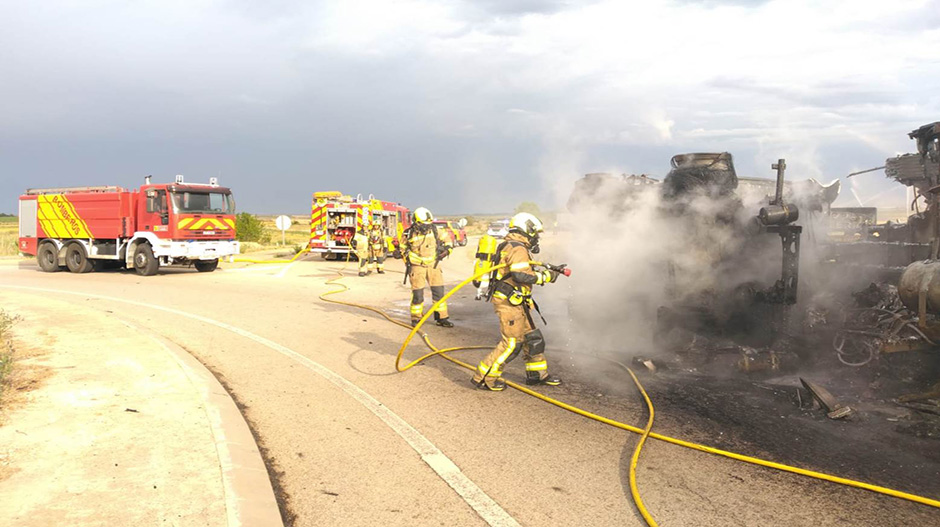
x,y
498,285
440,248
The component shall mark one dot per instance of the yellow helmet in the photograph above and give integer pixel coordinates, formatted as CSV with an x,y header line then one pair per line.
x,y
526,223
423,215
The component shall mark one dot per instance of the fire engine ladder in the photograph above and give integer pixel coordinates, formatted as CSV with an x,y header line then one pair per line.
x,y
65,190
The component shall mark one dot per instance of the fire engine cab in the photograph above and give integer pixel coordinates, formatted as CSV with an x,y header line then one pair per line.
x,y
82,228
335,218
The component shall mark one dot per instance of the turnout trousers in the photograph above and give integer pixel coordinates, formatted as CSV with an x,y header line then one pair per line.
x,y
515,324
376,259
362,254
423,276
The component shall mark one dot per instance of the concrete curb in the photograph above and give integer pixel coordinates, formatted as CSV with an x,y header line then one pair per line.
x,y
249,497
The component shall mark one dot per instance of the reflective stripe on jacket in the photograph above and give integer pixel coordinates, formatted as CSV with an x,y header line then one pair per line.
x,y
515,253
422,248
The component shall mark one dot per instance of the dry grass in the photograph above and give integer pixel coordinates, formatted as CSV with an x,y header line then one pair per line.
x,y
9,236
295,238
6,348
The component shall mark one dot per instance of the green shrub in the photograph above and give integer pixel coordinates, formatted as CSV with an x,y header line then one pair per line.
x,y
248,228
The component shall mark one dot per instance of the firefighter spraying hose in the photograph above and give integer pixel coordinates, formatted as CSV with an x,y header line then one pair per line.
x,y
617,424
480,274
443,352
510,291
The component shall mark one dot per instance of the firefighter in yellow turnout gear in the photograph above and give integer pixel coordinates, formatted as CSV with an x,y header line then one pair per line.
x,y
512,300
361,244
423,250
376,247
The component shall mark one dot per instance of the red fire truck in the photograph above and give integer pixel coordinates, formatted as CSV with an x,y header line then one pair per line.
x,y
82,228
336,217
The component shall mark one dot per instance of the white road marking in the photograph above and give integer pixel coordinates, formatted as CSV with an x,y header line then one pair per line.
x,y
473,495
284,271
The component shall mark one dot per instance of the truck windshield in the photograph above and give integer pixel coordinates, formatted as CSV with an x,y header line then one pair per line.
x,y
203,202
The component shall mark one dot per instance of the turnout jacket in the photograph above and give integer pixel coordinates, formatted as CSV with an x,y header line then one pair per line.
x,y
377,240
423,248
519,274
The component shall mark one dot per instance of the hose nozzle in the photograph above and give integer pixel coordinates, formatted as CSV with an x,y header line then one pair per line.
x,y
560,269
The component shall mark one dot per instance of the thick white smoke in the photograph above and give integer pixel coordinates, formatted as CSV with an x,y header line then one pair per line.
x,y
632,251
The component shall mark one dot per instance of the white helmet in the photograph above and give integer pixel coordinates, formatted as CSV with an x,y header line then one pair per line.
x,y
526,223
423,215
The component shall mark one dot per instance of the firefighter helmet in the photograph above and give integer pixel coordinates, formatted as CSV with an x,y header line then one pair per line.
x,y
423,215
526,223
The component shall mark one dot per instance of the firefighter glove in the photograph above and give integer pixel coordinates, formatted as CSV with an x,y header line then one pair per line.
x,y
546,276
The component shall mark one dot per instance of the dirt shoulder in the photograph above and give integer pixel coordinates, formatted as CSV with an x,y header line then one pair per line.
x,y
102,427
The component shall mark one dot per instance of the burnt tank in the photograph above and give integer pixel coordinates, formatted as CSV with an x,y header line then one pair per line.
x,y
921,278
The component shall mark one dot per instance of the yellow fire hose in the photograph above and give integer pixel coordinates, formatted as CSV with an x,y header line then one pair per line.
x,y
252,260
644,433
617,424
636,454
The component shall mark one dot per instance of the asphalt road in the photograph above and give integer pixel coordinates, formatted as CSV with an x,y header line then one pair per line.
x,y
351,442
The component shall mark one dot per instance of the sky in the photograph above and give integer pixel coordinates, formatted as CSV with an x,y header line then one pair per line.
x,y
459,106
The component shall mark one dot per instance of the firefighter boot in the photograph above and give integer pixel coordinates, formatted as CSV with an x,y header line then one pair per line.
x,y
532,378
362,273
496,385
443,322
417,306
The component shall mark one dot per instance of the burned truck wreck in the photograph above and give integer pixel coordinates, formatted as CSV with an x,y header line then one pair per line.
x,y
753,280
900,309
737,271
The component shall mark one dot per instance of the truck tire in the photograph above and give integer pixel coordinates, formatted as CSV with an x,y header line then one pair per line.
x,y
48,257
76,259
145,263
206,266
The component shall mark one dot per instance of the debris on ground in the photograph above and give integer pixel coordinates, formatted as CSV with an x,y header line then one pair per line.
x,y
833,409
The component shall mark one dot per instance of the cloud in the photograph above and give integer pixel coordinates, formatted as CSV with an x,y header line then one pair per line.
x,y
409,98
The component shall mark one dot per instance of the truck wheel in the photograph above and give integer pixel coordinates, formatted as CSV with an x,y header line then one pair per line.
x,y
48,257
206,266
145,263
77,261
